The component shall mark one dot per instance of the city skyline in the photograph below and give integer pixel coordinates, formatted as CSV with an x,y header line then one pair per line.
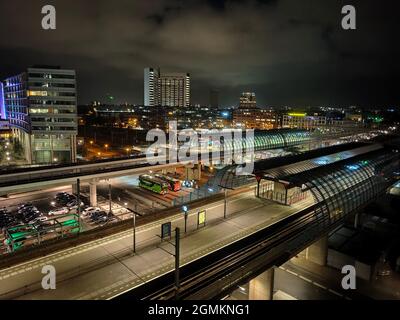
x,y
287,53
215,151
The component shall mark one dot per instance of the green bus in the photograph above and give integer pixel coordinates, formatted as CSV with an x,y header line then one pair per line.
x,y
173,184
18,236
153,184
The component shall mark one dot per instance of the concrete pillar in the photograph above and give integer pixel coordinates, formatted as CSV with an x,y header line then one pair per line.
x,y
93,193
262,287
356,220
318,251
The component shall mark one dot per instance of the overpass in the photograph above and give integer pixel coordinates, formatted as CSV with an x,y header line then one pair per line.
x,y
257,234
21,180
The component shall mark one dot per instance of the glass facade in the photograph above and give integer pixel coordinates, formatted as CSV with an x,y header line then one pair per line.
x,y
42,107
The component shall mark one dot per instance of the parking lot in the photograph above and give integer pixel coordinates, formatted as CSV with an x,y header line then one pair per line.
x,y
46,208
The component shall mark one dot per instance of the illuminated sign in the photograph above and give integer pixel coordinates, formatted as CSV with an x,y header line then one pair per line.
x,y
295,114
37,93
201,220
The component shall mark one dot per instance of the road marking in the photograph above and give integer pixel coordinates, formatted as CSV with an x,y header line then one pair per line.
x,y
305,279
320,285
335,292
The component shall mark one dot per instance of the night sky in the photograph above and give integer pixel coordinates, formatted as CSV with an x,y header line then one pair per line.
x,y
289,52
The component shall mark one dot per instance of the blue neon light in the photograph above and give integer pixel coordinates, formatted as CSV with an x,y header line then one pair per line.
x,y
3,114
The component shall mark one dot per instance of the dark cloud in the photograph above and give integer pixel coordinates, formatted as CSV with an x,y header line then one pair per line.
x,y
288,52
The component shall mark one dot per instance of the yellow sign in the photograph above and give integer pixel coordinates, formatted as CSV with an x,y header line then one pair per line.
x,y
202,218
295,114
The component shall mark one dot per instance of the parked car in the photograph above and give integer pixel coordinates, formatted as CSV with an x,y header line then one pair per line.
x,y
58,211
31,216
26,209
7,221
95,216
25,205
38,220
30,210
63,198
90,210
74,203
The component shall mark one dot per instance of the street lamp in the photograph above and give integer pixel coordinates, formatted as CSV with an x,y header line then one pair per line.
x,y
109,197
185,211
134,213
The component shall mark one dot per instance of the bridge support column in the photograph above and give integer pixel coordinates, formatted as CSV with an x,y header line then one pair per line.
x,y
262,287
93,193
318,252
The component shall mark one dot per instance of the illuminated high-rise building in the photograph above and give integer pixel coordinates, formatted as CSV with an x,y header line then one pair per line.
x,y
151,87
248,100
166,89
41,106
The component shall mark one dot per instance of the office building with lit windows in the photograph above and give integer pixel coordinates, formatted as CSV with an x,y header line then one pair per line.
x,y
41,107
248,100
166,89
249,116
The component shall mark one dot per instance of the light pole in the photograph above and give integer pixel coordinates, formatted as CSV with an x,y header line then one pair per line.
x,y
78,196
185,211
225,202
177,252
109,197
134,224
